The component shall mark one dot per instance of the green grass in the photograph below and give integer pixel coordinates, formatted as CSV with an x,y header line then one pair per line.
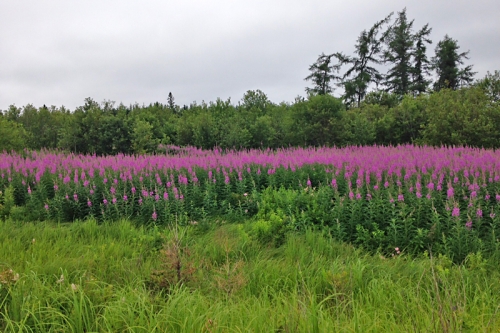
x,y
85,277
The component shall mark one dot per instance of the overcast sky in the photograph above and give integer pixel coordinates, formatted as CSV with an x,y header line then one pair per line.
x,y
58,52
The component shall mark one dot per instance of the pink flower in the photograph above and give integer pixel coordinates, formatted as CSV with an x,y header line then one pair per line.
x,y
154,216
125,197
401,197
113,201
75,197
469,224
46,207
450,193
479,213
89,203
105,202
455,212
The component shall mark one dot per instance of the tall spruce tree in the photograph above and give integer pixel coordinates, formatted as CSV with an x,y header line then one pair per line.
x,y
322,73
361,73
400,41
421,64
446,62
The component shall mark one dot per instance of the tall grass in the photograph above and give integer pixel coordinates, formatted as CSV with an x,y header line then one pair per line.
x,y
117,277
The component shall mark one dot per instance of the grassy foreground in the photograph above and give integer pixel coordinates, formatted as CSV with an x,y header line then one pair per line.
x,y
85,277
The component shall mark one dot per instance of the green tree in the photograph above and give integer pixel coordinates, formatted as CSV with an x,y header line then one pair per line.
x,y
462,117
361,73
400,41
446,64
421,64
491,85
12,135
322,73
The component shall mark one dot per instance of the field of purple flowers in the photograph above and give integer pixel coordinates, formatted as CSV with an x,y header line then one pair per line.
x,y
415,199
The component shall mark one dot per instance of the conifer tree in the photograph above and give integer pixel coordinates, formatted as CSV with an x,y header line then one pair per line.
x,y
400,41
446,62
421,64
322,73
361,73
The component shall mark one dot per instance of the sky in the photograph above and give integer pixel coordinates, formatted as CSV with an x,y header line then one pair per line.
x,y
59,52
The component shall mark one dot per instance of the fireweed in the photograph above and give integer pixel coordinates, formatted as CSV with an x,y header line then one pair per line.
x,y
410,197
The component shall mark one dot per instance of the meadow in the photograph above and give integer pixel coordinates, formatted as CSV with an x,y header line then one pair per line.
x,y
353,239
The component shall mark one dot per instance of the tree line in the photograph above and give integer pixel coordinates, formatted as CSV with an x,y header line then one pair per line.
x,y
403,105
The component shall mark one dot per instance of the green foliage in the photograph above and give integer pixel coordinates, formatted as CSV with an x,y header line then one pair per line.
x,y
86,277
322,72
446,64
12,135
460,118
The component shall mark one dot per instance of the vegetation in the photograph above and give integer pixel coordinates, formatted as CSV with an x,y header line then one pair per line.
x,y
114,277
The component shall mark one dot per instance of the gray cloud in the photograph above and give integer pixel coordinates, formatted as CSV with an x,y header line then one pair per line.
x,y
60,52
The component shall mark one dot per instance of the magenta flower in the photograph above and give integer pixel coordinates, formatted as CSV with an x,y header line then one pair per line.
x,y
113,201
133,190
89,203
401,197
469,224
165,196
450,192
75,197
479,213
46,207
308,182
125,197
455,212
105,202
154,216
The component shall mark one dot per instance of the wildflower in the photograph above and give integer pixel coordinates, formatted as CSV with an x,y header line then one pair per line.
x,y
479,213
358,196
469,224
112,190
75,197
308,182
401,197
455,212
46,207
334,183
419,195
245,194
89,203
113,201
165,196
397,250
56,187
429,196
140,201
125,197
368,196
154,215
487,197
133,190
450,192
386,184
375,187
497,197
29,189
473,194
105,202
492,215
351,195
91,192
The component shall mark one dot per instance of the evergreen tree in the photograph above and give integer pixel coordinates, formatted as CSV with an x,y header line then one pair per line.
x,y
171,103
400,41
421,65
322,72
359,76
446,62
